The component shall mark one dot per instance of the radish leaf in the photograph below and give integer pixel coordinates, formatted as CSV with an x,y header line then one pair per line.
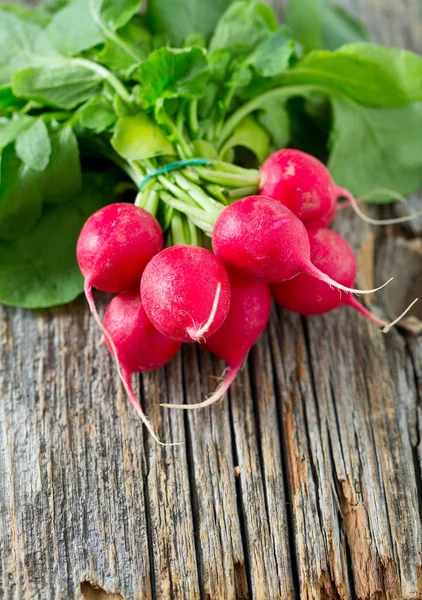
x,y
73,29
63,84
369,74
62,177
20,196
33,146
138,137
376,147
179,19
40,269
172,73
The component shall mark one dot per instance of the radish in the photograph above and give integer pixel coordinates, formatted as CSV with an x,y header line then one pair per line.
x,y
304,184
136,343
299,181
264,240
309,296
186,293
249,312
114,247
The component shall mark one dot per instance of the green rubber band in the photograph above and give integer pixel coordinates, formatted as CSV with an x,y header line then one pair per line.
x,y
178,164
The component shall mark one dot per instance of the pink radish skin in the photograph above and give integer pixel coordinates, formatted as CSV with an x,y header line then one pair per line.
x,y
308,296
250,307
186,293
262,239
114,247
324,220
304,184
138,345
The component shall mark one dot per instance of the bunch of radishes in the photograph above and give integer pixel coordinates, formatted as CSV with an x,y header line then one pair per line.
x,y
271,245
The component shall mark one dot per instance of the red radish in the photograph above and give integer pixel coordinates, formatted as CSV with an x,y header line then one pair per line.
x,y
262,239
138,345
186,293
304,184
114,247
324,220
299,181
308,296
249,312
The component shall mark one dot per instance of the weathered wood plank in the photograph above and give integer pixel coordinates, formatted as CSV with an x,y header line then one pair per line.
x,y
262,497
71,457
220,548
168,495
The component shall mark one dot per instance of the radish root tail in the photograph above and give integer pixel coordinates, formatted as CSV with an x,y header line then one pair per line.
x,y
399,318
198,334
213,398
310,269
353,303
356,305
351,201
124,377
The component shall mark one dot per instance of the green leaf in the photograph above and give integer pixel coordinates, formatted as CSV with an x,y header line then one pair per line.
x,y
250,135
244,24
114,13
305,21
23,44
366,73
34,14
137,32
11,128
65,84
73,29
179,19
219,64
275,118
8,101
40,269
173,73
138,137
376,148
319,24
53,6
339,27
33,146
20,196
117,59
122,108
272,56
98,115
62,178
133,44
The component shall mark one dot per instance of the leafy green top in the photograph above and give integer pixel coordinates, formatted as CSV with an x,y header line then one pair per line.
x,y
90,80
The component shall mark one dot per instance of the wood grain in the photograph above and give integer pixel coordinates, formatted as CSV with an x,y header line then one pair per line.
x,y
304,483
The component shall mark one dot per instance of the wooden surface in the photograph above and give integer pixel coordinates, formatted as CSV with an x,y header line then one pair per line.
x,y
304,484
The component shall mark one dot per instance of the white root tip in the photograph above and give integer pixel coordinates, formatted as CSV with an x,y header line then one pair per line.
x,y
213,398
351,201
198,334
387,328
125,379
